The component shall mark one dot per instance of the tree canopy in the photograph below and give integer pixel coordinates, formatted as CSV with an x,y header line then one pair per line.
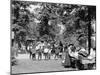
x,y
51,20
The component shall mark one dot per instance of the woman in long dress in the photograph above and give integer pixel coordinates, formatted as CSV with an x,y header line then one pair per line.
x,y
67,62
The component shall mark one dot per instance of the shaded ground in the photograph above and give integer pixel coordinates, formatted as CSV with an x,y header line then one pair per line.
x,y
25,65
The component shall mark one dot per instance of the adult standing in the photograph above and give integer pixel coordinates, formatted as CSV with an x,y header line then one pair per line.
x,y
30,50
57,51
67,62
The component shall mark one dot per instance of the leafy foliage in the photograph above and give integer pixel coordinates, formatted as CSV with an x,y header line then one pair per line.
x,y
40,20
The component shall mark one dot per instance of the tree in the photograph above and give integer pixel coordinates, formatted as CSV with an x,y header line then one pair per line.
x,y
40,20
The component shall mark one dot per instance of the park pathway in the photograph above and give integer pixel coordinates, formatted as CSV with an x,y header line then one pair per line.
x,y
26,65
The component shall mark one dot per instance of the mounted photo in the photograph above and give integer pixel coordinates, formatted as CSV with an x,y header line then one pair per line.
x,y
52,37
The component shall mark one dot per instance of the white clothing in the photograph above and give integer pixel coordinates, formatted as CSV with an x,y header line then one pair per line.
x,y
46,50
73,54
92,54
37,47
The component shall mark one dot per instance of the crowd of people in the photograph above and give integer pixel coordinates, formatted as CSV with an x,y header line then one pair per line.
x,y
80,57
44,49
71,56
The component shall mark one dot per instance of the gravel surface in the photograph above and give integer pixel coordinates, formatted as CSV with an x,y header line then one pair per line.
x,y
26,65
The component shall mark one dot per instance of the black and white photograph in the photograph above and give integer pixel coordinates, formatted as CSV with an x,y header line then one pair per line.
x,y
52,37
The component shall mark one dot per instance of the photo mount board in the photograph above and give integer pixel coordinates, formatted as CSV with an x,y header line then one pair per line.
x,y
70,14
